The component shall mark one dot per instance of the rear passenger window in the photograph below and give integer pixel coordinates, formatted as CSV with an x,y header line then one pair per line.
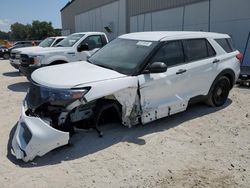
x,y
170,53
197,49
226,44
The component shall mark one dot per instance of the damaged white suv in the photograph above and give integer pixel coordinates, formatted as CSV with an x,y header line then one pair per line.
x,y
138,77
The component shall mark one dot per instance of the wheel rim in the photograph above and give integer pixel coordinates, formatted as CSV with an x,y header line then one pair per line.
x,y
5,56
221,92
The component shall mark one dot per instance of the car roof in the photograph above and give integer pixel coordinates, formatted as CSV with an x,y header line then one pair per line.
x,y
87,33
58,37
171,35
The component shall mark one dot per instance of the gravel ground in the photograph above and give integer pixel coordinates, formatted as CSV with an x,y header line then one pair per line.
x,y
202,147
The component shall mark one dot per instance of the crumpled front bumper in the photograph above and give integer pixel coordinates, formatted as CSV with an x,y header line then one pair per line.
x,y
35,137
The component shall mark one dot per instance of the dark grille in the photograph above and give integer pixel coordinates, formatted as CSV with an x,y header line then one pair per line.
x,y
13,55
26,133
25,59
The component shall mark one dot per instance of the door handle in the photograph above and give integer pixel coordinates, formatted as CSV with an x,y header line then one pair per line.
x,y
181,71
216,61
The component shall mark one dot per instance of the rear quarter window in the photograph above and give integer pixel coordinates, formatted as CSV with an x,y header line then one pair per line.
x,y
226,44
198,49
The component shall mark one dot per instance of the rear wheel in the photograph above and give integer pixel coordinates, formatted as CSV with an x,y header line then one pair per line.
x,y
220,92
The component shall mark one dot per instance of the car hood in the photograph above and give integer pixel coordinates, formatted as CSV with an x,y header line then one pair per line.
x,y
71,75
27,49
44,51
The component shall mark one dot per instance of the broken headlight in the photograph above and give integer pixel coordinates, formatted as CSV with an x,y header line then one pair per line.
x,y
62,94
38,95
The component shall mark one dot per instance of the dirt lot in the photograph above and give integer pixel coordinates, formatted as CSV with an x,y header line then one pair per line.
x,y
202,147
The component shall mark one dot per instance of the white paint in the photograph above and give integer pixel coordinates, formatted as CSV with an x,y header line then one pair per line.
x,y
67,54
44,138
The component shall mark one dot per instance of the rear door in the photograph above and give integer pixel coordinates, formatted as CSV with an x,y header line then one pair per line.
x,y
201,66
162,94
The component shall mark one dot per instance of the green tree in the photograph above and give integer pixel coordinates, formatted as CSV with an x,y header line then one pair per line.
x,y
40,30
19,31
4,35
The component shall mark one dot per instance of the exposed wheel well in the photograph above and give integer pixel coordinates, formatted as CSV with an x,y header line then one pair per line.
x,y
58,62
107,111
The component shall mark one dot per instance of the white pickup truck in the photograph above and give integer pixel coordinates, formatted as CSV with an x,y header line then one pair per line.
x,y
76,47
48,42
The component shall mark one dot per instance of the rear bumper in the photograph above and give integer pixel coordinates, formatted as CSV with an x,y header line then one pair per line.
x,y
35,137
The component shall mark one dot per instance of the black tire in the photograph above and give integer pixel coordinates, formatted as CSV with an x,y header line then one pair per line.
x,y
6,56
219,93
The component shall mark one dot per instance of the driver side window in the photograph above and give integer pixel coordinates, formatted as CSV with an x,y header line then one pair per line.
x,y
171,53
93,42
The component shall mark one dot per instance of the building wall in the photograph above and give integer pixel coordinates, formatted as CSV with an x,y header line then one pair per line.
x,y
112,15
77,7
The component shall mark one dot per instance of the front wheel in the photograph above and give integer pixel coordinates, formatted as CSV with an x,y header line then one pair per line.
x,y
6,56
220,92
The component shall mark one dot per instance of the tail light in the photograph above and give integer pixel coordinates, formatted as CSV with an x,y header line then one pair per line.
x,y
239,57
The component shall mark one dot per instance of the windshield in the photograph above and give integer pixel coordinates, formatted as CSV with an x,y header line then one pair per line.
x,y
47,42
123,55
70,40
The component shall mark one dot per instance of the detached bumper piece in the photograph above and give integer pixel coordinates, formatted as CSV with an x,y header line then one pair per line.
x,y
35,137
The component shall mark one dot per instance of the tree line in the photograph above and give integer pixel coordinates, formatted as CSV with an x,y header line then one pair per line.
x,y
35,31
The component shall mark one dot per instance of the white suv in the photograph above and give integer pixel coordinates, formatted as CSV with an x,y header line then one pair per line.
x,y
138,77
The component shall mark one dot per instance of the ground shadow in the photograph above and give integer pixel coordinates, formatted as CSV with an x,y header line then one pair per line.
x,y
12,74
19,87
86,143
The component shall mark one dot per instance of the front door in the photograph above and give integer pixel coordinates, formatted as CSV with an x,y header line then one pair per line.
x,y
162,93
94,43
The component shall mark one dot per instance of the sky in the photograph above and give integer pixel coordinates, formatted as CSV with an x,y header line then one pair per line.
x,y
25,11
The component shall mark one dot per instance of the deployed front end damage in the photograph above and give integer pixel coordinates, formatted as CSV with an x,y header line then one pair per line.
x,y
49,115
35,137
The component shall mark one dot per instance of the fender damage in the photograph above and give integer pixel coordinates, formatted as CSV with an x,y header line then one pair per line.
x,y
47,125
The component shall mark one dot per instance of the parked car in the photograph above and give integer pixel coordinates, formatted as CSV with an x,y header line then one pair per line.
x,y
16,53
5,53
2,48
138,77
75,47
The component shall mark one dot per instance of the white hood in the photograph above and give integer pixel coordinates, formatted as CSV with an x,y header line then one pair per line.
x,y
27,49
73,74
44,51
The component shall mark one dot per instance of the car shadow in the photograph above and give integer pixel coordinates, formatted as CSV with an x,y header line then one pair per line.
x,y
19,87
12,74
85,143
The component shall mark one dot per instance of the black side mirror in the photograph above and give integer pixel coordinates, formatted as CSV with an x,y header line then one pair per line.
x,y
83,47
156,67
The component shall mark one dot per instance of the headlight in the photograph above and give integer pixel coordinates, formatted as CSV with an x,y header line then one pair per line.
x,y
37,60
61,94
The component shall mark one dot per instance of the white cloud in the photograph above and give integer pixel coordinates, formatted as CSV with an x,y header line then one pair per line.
x,y
5,24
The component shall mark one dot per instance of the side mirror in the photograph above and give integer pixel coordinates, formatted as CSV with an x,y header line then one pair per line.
x,y
156,67
83,47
